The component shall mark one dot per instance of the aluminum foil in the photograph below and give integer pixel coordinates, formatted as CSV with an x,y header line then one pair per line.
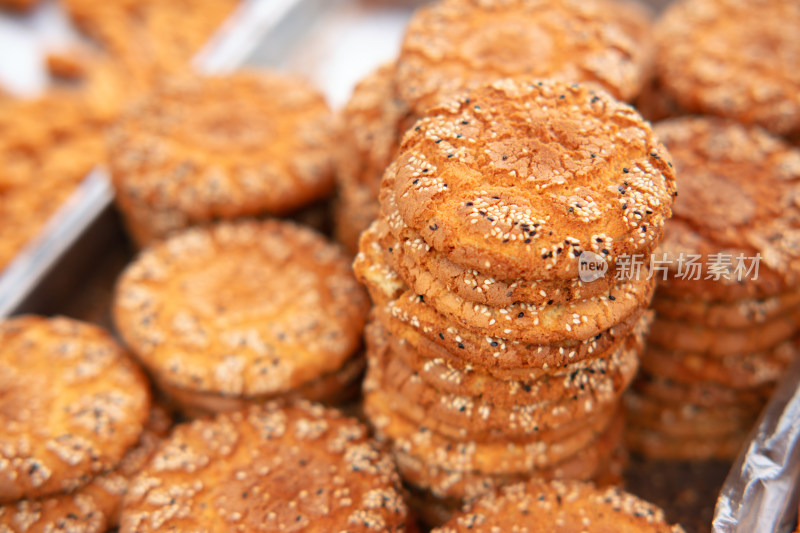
x,y
760,494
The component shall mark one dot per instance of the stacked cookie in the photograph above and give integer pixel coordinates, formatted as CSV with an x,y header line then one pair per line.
x,y
490,360
728,308
74,412
240,312
455,45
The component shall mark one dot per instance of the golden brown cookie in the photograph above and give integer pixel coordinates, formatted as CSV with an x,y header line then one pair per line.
x,y
412,258
559,507
95,507
186,155
717,342
734,59
454,45
739,187
566,170
270,468
752,370
655,445
703,393
333,388
411,317
740,313
241,309
71,404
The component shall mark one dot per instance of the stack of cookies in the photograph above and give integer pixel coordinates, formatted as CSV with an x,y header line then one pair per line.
x,y
456,45
728,307
240,312
490,359
74,412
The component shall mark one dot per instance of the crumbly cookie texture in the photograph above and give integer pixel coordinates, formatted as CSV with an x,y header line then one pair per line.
x,y
519,178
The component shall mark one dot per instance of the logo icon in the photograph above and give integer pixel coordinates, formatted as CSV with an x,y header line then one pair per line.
x,y
591,266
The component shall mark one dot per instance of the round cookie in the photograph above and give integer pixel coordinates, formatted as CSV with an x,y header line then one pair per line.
x,y
742,313
410,317
738,372
559,507
719,342
703,393
519,179
333,388
654,445
530,323
268,468
412,258
461,455
454,45
371,134
186,154
93,508
524,417
241,309
71,405
739,190
687,420
733,58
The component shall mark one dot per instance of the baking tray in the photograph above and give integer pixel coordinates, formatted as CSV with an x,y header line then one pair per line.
x,y
72,266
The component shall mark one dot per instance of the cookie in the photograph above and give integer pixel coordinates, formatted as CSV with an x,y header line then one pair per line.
x,y
711,59
333,388
747,371
241,309
523,416
271,468
559,506
71,407
407,316
451,45
185,155
741,313
412,258
703,393
462,455
594,461
518,179
739,185
654,445
691,337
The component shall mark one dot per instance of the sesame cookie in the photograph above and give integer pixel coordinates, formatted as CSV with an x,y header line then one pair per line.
x,y
333,388
593,461
521,416
518,179
371,130
739,188
733,58
692,337
93,508
746,371
295,468
607,372
406,315
687,420
741,313
559,507
71,405
654,445
241,309
454,45
466,455
412,258
186,155
701,393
